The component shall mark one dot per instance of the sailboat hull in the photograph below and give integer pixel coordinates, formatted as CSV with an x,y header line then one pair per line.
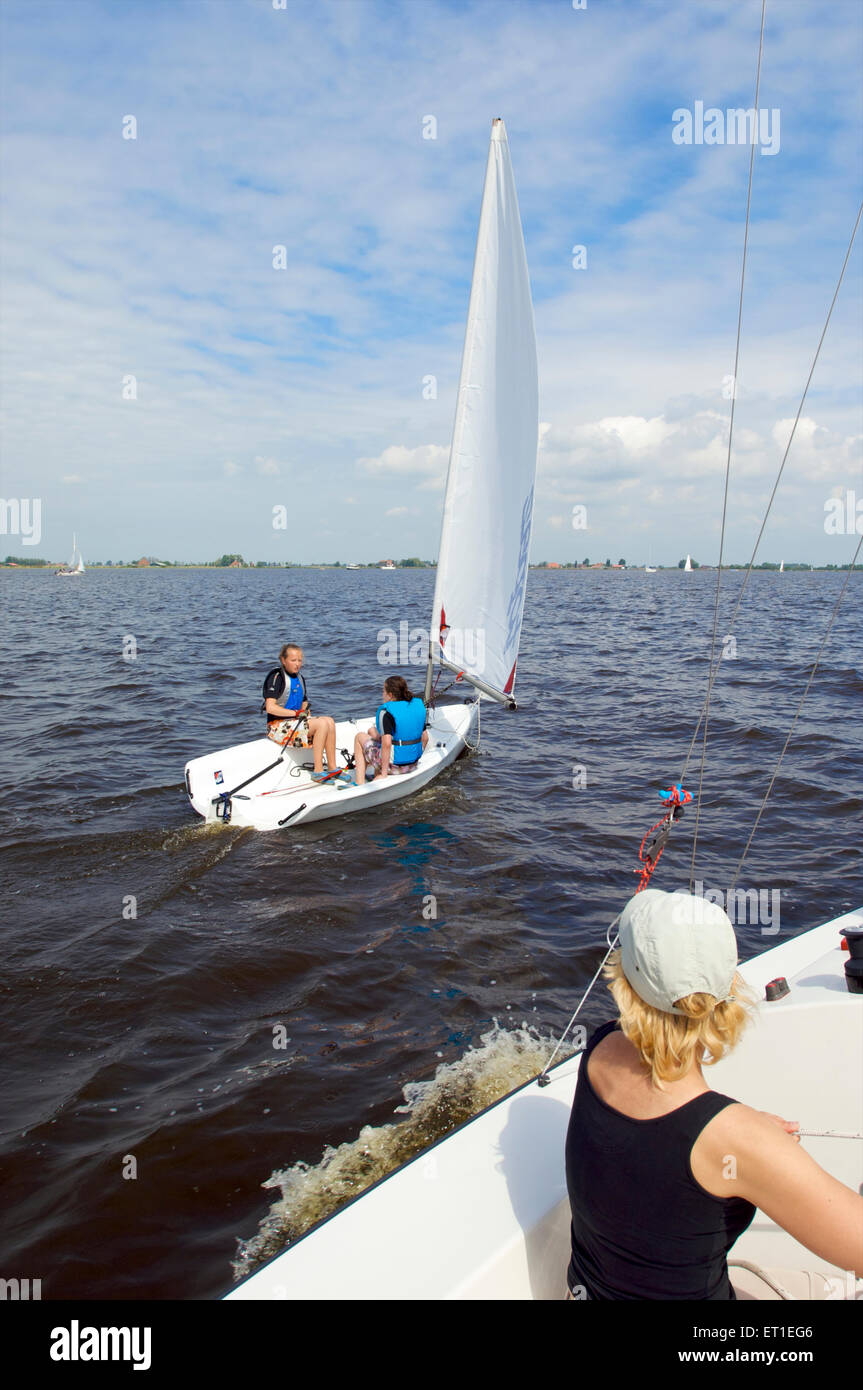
x,y
494,1224
286,796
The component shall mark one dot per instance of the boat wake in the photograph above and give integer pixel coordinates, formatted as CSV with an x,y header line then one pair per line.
x,y
504,1059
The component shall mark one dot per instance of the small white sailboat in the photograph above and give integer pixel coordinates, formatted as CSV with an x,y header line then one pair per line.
x,y
688,563
781,566
75,565
483,561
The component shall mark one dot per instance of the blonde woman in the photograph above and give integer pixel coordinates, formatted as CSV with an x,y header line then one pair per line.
x,y
286,705
656,1205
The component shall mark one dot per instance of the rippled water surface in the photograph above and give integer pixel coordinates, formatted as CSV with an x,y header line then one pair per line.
x,y
150,962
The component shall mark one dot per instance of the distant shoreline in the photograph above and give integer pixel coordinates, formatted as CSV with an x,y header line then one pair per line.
x,y
50,566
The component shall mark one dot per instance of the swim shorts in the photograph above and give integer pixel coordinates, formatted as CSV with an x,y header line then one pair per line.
x,y
290,732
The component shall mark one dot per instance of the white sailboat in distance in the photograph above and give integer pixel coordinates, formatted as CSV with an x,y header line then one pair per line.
x,y
483,560
688,564
75,565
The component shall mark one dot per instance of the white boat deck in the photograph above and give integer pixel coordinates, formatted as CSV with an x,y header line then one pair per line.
x,y
484,1213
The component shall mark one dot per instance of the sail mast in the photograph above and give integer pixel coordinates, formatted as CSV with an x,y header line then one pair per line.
x,y
488,507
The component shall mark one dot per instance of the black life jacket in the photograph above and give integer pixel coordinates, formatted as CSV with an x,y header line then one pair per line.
x,y
276,684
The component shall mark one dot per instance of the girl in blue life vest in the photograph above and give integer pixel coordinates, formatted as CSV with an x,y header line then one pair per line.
x,y
395,745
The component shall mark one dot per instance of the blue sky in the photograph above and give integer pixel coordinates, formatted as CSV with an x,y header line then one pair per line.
x,y
303,127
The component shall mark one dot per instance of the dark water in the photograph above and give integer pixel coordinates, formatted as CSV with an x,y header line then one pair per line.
x,y
147,1040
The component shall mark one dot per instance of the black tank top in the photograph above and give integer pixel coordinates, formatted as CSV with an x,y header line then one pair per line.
x,y
642,1227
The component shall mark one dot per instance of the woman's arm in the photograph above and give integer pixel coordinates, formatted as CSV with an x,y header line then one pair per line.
x,y
749,1155
276,711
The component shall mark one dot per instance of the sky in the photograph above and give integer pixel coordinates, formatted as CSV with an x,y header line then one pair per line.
x,y
164,386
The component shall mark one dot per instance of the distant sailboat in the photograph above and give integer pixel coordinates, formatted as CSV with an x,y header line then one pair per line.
x,y
781,566
76,565
649,568
688,565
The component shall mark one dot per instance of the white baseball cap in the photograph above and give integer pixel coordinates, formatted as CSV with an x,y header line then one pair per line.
x,y
675,944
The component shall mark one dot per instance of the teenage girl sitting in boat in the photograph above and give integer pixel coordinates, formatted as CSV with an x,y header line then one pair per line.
x,y
663,1173
289,722
395,744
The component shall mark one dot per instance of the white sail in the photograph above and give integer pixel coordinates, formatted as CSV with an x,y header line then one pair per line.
x,y
688,565
488,508
76,564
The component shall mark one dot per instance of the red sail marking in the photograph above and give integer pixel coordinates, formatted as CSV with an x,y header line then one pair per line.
x,y
444,627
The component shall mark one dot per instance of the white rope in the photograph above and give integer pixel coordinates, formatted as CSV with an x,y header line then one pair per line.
x,y
773,1283
611,945
828,1134
474,746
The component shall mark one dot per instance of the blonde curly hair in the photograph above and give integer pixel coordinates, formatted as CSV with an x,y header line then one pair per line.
x,y
670,1045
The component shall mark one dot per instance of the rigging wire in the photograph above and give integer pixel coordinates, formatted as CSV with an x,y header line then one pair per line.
x,y
758,539
728,456
542,1079
833,616
714,662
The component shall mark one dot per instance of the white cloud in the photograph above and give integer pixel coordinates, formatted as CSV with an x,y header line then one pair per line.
x,y
426,461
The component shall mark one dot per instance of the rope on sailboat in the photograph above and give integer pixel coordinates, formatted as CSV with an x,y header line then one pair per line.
x,y
837,605
656,838
543,1079
728,456
716,660
649,854
829,1134
769,1279
475,746
435,694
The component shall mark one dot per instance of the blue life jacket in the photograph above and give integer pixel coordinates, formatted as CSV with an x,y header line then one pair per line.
x,y
409,717
294,692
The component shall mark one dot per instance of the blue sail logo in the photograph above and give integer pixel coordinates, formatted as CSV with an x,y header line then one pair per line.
x,y
516,598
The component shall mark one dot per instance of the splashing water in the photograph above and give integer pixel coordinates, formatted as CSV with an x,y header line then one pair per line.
x,y
504,1060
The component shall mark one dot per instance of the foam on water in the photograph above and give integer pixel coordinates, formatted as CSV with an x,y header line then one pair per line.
x,y
504,1060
